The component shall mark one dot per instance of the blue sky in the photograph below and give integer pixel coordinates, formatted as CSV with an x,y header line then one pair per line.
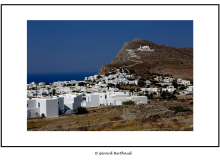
x,y
84,46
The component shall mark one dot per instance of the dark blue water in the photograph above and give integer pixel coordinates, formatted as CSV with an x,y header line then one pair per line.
x,y
54,77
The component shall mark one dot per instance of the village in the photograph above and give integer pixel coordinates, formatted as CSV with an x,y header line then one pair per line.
x,y
112,89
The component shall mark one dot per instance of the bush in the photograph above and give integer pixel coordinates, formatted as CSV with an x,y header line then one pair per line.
x,y
81,84
182,88
131,71
99,76
179,109
151,96
43,115
82,110
128,103
116,118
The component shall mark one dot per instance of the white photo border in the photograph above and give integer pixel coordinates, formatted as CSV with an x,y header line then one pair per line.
x,y
14,73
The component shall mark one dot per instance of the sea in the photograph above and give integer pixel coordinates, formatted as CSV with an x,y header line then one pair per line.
x,y
54,77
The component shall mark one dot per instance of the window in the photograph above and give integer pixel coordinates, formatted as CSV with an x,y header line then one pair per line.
x,y
38,104
58,102
27,105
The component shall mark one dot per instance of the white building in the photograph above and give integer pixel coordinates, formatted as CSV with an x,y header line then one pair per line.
x,y
169,89
185,82
148,82
92,100
189,88
41,84
179,80
120,100
72,101
96,99
144,48
62,89
150,90
38,106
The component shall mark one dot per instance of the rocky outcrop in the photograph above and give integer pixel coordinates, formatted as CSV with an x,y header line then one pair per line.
x,y
104,70
141,112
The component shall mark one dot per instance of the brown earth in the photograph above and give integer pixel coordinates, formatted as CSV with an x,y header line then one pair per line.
x,y
110,118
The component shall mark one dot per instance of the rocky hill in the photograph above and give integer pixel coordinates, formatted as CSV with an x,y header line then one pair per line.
x,y
177,62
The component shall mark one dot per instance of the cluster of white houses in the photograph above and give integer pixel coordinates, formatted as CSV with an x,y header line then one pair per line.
x,y
92,92
68,103
53,106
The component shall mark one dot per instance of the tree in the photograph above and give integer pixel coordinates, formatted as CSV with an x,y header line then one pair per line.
x,y
164,94
54,91
142,82
174,83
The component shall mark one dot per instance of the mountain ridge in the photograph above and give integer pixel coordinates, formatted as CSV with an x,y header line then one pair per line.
x,y
163,60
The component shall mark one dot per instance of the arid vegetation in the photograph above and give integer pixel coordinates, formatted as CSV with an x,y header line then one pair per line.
x,y
110,118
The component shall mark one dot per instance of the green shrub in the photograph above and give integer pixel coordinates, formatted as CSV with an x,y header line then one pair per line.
x,y
179,109
128,103
43,115
82,110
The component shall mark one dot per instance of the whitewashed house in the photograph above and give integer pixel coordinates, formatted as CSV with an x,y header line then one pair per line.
x,y
148,82
179,80
170,89
185,82
144,48
72,101
189,88
92,100
38,106
150,90
158,78
41,84
120,100
62,89
165,84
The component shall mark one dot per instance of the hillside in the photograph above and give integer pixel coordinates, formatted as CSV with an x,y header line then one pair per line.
x,y
142,117
177,62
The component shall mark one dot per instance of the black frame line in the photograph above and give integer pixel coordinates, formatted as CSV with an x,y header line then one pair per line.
x,y
110,5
